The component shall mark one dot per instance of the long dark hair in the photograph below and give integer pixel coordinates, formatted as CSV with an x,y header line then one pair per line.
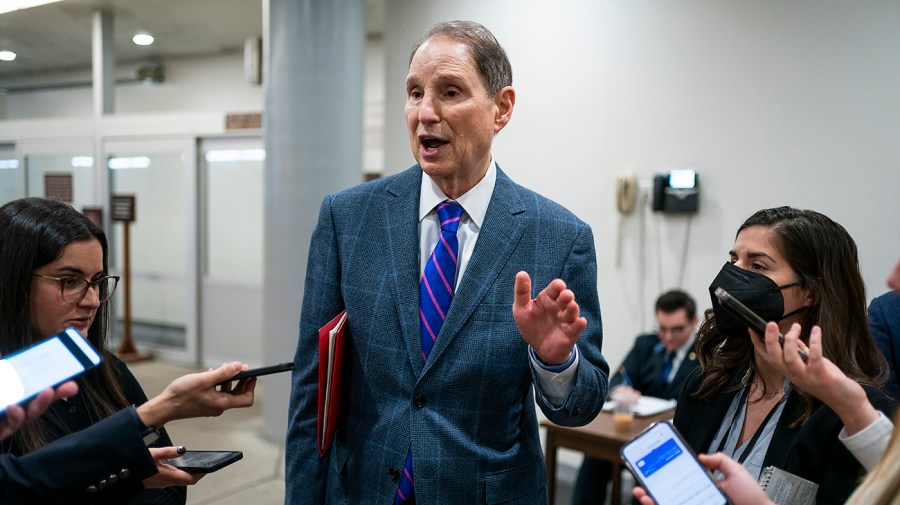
x,y
826,262
33,233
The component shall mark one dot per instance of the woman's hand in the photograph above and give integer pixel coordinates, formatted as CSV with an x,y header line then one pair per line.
x,y
169,475
737,483
198,395
16,416
819,376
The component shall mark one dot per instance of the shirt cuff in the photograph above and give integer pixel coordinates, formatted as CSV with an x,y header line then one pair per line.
x,y
555,381
869,444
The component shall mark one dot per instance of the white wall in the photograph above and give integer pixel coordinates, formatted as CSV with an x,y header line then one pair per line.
x,y
190,85
772,102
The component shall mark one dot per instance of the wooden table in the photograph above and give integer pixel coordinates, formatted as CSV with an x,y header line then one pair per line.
x,y
600,439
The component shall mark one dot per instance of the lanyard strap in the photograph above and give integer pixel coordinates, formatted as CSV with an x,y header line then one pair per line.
x,y
755,438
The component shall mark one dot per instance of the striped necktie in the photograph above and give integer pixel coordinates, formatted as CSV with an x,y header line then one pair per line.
x,y
435,293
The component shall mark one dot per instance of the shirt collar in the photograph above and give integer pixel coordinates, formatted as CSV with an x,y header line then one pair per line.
x,y
474,202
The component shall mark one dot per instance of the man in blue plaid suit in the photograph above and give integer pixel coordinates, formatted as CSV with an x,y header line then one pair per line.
x,y
466,413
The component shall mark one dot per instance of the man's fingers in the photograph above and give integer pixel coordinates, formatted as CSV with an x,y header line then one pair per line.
x,y
522,290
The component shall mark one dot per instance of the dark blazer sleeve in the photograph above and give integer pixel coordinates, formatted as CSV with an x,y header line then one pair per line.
x,y
884,323
63,470
134,493
818,455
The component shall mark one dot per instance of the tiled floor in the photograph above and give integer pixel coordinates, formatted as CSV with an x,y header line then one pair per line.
x,y
258,478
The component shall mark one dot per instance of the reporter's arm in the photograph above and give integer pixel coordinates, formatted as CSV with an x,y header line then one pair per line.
x,y
70,469
195,395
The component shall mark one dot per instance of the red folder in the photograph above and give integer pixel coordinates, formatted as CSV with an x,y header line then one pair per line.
x,y
331,352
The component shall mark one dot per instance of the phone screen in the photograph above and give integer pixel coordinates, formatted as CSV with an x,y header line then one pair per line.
x,y
48,363
668,469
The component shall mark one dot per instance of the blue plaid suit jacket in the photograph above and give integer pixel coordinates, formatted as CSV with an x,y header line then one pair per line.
x,y
468,413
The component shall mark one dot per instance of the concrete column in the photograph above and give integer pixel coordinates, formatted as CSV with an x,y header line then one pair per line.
x,y
103,63
103,66
313,83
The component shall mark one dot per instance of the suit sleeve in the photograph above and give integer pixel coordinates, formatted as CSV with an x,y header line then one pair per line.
x,y
63,470
886,339
306,472
133,491
591,384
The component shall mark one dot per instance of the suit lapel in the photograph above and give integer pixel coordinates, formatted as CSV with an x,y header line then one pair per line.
x,y
402,221
500,233
687,366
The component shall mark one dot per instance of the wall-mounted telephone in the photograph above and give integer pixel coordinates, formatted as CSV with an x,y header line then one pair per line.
x,y
676,192
626,193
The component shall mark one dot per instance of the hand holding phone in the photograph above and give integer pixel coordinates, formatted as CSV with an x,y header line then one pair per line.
x,y
668,469
750,318
265,370
204,461
46,364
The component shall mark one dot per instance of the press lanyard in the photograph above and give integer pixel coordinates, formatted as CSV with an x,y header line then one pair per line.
x,y
755,437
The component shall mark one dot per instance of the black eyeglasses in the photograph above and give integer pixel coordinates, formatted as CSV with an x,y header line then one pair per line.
x,y
73,289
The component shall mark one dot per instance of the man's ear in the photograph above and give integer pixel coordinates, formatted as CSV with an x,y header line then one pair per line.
x,y
504,101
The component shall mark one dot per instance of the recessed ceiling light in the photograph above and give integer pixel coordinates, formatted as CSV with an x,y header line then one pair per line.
x,y
7,55
143,39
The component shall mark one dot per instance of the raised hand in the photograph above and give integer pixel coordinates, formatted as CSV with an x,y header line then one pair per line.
x,y
550,323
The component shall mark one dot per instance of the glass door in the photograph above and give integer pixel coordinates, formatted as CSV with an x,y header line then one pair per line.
x,y
160,175
12,184
231,259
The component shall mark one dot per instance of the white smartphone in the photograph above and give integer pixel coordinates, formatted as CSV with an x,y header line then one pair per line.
x,y
48,363
669,470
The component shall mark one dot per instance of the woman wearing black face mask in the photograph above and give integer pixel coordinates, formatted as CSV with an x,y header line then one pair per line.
x,y
789,266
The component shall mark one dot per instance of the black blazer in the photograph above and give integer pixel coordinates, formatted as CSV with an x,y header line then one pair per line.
x,y
812,450
62,471
644,365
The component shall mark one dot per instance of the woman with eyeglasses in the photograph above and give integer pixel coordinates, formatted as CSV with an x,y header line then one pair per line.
x,y
54,274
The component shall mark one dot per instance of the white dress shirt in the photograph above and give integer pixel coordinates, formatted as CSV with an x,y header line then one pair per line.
x,y
555,381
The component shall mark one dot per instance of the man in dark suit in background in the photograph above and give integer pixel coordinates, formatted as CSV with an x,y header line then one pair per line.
x,y
657,365
884,323
439,400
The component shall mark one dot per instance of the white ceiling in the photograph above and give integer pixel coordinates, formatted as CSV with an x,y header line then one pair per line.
x,y
57,37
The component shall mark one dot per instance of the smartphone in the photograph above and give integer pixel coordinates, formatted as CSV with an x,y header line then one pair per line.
x,y
204,461
48,363
750,318
265,370
668,469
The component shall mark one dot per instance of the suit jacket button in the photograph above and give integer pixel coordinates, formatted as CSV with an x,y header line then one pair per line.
x,y
394,473
113,478
91,489
577,411
124,473
419,401
101,484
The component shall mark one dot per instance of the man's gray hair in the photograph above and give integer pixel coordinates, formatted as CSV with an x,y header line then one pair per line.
x,y
487,54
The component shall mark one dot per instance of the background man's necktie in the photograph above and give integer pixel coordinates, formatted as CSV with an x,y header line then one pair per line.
x,y
667,368
435,293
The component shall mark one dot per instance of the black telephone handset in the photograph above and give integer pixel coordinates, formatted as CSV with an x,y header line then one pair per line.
x,y
750,318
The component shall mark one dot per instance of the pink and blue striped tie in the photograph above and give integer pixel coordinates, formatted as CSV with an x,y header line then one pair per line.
x,y
435,293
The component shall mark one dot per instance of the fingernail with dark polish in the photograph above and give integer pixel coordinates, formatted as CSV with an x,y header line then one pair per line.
x,y
181,449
